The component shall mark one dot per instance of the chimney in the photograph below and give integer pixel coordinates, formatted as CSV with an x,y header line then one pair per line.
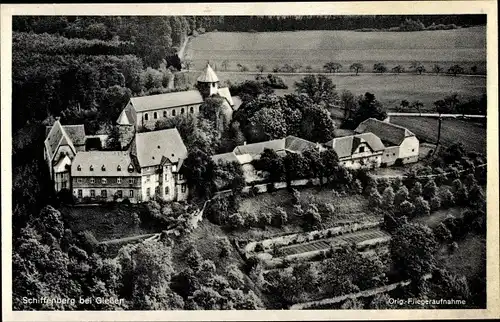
x,y
245,143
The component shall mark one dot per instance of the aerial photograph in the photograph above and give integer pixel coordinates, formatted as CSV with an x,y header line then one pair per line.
x,y
249,162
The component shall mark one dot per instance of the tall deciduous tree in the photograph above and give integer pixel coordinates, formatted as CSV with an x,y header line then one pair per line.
x,y
319,88
356,67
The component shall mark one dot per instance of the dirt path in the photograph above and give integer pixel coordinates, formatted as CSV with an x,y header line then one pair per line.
x,y
126,239
182,50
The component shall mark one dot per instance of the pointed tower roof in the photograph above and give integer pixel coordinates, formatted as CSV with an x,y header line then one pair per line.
x,y
208,75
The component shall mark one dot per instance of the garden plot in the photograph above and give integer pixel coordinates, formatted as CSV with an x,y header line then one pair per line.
x,y
357,238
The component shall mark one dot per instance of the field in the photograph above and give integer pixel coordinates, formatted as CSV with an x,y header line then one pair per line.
x,y
106,222
315,48
471,134
349,238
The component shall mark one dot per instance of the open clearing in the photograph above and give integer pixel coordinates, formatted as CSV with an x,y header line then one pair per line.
x,y
107,222
315,48
471,134
349,238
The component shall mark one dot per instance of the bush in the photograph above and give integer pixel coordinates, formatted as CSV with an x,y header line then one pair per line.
x,y
422,207
258,247
435,203
136,220
374,198
236,221
225,247
446,197
281,216
295,196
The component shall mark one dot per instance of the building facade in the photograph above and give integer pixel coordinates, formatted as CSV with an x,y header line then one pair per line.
x,y
358,151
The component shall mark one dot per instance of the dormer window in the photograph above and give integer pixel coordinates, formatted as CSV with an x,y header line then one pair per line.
x,y
103,168
91,168
79,168
130,168
118,168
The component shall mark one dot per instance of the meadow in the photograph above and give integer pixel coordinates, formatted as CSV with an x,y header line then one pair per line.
x,y
471,134
464,46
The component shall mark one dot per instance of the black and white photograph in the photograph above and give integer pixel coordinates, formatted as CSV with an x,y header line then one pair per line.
x,y
191,162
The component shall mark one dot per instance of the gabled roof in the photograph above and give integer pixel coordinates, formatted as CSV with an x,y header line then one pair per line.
x,y
111,160
345,146
227,157
75,132
56,137
167,100
123,118
208,75
298,145
152,146
256,149
224,92
387,132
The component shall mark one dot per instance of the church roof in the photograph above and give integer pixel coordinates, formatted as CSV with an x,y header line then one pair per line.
x,y
167,100
151,147
208,75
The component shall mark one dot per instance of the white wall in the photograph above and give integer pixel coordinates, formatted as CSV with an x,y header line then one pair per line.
x,y
409,148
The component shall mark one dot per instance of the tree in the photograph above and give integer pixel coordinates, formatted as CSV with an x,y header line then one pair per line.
x,y
200,173
266,124
412,250
418,67
401,195
260,68
317,125
368,107
388,198
225,64
356,67
379,68
417,105
430,189
348,103
437,69
319,88
422,207
473,69
398,69
406,209
456,69
114,99
312,218
332,67
271,162
375,199
404,105
416,191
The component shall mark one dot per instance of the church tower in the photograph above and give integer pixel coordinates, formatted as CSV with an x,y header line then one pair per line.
x,y
208,82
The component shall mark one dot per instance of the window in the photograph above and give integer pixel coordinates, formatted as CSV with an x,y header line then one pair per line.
x,y
92,193
131,180
191,110
148,192
103,168
80,193
164,113
119,180
155,115
63,185
104,193
146,116
387,155
104,181
361,149
79,180
412,150
148,178
157,190
119,194
131,193
183,188
92,180
167,190
182,110
91,168
394,154
173,112
118,168
79,168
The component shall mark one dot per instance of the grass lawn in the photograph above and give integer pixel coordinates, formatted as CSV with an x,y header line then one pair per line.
x,y
436,217
471,134
466,46
107,222
466,260
347,208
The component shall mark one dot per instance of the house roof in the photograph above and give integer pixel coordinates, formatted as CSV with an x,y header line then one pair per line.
x,y
208,75
387,132
345,146
255,149
236,102
296,144
224,92
56,137
123,118
75,132
159,101
152,146
227,157
111,160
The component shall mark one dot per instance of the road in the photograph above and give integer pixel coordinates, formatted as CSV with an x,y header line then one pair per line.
x,y
435,115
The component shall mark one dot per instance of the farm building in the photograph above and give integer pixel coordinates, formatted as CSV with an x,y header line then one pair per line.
x,y
358,151
401,145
